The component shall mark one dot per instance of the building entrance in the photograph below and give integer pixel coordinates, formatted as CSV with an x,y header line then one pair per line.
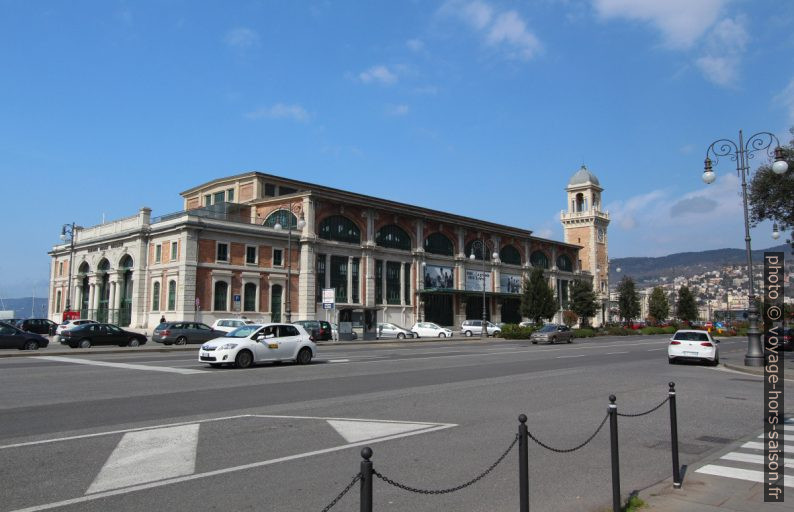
x,y
474,308
438,308
511,311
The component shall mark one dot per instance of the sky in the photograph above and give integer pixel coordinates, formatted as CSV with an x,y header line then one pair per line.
x,y
482,108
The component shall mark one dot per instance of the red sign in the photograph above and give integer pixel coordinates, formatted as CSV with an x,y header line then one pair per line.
x,y
71,315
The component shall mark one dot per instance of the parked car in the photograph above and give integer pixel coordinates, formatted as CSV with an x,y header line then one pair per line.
x,y
11,337
526,324
430,330
788,339
387,330
474,327
552,333
230,324
335,333
319,329
86,335
255,343
181,333
688,344
70,324
43,326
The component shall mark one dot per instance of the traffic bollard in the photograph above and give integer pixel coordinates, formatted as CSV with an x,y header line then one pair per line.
x,y
366,480
674,438
613,437
523,464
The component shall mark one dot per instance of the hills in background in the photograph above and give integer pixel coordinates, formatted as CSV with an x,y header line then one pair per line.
x,y
22,307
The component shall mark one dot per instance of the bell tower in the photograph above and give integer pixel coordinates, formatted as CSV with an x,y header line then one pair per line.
x,y
585,223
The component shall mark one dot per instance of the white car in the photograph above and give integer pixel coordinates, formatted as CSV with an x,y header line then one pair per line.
x,y
256,343
230,324
430,330
693,345
69,324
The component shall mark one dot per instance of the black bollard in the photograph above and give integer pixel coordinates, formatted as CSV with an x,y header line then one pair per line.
x,y
613,437
366,480
523,464
674,438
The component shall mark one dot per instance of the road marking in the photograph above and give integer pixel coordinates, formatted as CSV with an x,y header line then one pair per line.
x,y
149,456
563,357
126,366
740,474
354,431
612,353
652,349
754,459
752,445
339,360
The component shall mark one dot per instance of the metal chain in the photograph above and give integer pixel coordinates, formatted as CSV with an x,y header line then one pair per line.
x,y
646,412
451,489
339,497
569,450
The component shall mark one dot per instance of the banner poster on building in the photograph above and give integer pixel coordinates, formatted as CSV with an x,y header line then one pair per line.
x,y
437,276
474,280
510,283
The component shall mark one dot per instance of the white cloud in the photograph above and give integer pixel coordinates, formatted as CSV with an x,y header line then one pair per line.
x,y
280,111
241,37
506,30
397,110
786,99
415,44
379,73
719,70
681,22
725,45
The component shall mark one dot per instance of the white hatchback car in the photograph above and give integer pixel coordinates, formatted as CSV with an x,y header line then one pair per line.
x,y
69,324
230,324
430,330
693,345
256,343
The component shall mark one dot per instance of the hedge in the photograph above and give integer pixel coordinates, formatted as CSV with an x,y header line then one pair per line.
x,y
583,333
514,332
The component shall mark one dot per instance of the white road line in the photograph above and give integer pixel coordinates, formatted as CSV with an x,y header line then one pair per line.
x,y
126,366
752,445
612,353
339,360
754,459
149,456
652,349
563,357
740,474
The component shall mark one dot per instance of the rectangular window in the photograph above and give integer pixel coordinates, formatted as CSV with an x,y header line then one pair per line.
x,y
218,197
223,252
408,283
250,254
270,190
230,195
378,282
393,282
60,268
282,190
354,277
207,200
58,301
174,250
158,253
278,259
339,277
320,284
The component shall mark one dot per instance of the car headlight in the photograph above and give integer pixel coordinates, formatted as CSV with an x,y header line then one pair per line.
x,y
228,346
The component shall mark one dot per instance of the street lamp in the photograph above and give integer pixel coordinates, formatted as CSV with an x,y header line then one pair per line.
x,y
483,245
775,232
67,233
301,222
741,153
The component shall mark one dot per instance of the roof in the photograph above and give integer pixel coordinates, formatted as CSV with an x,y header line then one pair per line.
x,y
582,176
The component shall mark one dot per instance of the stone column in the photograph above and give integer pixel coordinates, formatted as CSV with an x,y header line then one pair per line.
x,y
403,283
350,279
370,278
111,297
307,280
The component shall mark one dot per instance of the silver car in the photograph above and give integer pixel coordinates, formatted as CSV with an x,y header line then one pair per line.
x,y
552,333
387,330
474,328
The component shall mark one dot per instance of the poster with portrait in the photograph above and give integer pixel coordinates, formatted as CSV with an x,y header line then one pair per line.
x,y
510,283
437,276
474,280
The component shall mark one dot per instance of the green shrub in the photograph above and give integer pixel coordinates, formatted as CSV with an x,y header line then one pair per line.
x,y
669,330
583,333
653,330
515,332
617,331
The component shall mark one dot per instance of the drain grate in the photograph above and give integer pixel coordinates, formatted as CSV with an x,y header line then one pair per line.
x,y
715,439
689,448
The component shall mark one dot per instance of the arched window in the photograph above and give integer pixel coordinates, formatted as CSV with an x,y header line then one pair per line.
x,y
510,255
125,263
249,297
580,204
438,243
539,259
220,302
340,229
281,217
394,237
171,295
156,296
477,249
564,263
84,268
103,266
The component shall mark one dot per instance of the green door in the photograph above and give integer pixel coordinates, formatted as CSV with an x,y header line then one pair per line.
x,y
275,303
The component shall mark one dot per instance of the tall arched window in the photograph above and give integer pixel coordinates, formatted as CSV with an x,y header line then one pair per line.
x,y
156,296
564,263
510,255
220,297
249,297
580,202
84,268
171,295
340,229
281,217
539,259
438,243
394,237
477,248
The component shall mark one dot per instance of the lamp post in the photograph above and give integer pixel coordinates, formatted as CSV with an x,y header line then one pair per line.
x,y
67,233
483,245
301,222
742,152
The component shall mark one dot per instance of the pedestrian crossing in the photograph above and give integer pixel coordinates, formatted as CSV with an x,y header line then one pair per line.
x,y
747,462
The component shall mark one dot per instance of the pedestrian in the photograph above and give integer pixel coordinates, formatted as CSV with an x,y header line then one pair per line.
x,y
162,319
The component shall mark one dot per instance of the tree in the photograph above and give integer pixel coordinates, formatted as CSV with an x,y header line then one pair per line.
x,y
569,318
771,196
658,307
537,300
628,300
583,300
686,309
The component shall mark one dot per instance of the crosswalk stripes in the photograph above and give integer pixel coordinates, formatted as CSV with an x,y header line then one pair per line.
x,y
747,464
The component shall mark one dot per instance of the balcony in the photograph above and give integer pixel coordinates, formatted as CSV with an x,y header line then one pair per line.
x,y
592,212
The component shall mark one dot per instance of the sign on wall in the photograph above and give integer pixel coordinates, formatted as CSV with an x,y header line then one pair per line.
x,y
437,276
510,283
474,280
329,298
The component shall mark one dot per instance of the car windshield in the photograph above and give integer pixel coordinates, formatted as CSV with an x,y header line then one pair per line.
x,y
548,328
242,332
691,336
433,326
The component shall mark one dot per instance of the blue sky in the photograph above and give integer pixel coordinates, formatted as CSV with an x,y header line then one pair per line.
x,y
479,107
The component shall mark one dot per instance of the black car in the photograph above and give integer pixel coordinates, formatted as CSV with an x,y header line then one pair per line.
x,y
83,336
320,330
11,337
788,339
43,326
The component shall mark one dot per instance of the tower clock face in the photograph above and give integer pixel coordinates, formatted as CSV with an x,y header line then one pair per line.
x,y
601,234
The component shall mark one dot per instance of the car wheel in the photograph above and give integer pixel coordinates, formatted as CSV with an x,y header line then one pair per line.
x,y
304,356
133,342
181,340
716,361
216,365
534,342
31,345
244,359
400,336
468,334
554,340
671,360
497,333
84,343
442,335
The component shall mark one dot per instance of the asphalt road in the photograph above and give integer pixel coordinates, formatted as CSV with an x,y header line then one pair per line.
x,y
157,431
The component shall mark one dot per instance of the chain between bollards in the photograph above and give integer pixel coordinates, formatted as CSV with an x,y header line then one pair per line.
x,y
612,410
674,437
523,464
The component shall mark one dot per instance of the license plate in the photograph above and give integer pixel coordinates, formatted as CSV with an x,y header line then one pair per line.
x,y
690,353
